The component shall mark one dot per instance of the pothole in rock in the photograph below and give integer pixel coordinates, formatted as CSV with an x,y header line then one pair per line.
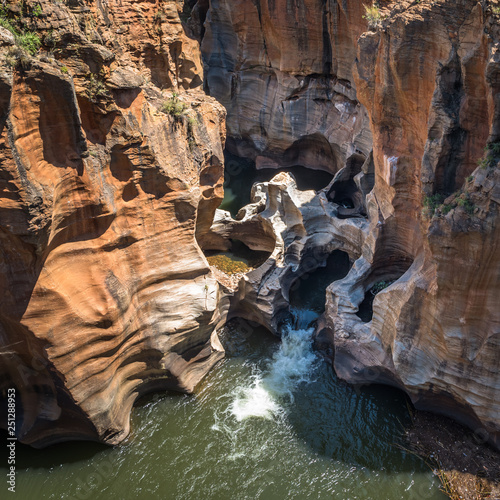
x,y
309,290
240,175
351,185
238,260
365,309
381,278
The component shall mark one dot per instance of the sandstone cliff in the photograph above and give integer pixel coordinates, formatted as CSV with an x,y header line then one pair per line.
x,y
112,170
106,293
423,78
427,79
283,70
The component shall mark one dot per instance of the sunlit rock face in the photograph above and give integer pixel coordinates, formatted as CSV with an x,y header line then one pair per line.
x,y
429,82
106,200
298,82
106,293
283,70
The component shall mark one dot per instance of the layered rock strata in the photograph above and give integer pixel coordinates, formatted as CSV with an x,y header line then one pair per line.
x,y
427,76
111,173
283,70
434,216
106,293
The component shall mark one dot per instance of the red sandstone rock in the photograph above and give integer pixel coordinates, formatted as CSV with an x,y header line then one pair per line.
x,y
106,293
432,105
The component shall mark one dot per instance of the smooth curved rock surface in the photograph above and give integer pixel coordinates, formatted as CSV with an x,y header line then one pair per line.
x,y
434,331
283,72
106,293
305,230
428,79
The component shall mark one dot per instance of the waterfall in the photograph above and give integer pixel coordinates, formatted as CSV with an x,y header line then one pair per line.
x,y
291,365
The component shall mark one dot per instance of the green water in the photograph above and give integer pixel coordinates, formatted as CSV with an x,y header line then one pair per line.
x,y
322,440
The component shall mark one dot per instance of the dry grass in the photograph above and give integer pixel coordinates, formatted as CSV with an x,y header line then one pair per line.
x,y
228,264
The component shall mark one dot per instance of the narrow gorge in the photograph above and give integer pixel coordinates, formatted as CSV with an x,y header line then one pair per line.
x,y
180,179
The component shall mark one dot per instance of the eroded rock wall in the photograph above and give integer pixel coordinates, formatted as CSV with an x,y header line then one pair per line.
x,y
426,76
427,79
283,70
106,294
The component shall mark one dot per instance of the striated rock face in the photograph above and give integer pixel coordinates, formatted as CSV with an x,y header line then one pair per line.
x,y
111,172
106,293
283,72
298,81
428,80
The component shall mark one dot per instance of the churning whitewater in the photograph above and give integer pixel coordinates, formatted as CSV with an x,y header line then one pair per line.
x,y
291,365
330,442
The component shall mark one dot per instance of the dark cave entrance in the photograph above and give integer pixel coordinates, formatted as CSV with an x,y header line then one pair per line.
x,y
308,291
351,185
240,174
380,279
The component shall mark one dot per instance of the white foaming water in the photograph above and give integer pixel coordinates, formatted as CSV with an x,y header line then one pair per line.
x,y
290,365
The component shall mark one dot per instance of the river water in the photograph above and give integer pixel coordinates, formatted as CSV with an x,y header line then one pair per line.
x,y
271,421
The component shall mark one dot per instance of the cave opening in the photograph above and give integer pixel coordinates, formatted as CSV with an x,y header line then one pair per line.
x,y
382,277
365,308
344,193
308,291
351,185
240,174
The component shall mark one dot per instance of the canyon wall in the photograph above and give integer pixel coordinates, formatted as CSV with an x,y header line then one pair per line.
x,y
423,78
106,293
428,79
112,170
283,70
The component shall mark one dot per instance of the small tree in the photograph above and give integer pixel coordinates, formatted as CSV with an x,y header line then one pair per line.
x,y
174,107
372,15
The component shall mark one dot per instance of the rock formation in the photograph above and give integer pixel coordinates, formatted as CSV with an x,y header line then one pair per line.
x,y
426,74
112,172
283,72
305,230
106,293
435,330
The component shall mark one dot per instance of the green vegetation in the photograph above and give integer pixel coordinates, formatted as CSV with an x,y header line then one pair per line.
x,y
373,15
431,203
465,203
192,121
37,11
174,107
64,69
446,209
17,56
494,147
435,203
379,286
96,90
25,39
30,42
228,264
491,157
458,199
